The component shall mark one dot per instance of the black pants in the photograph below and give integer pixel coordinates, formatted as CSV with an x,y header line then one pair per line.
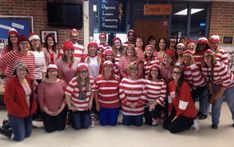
x,y
179,124
38,114
153,114
53,123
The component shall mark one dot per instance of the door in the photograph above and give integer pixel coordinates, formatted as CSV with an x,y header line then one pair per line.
x,y
145,28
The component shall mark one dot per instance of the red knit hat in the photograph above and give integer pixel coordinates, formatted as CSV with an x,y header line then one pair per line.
x,y
214,38
155,66
202,40
33,36
67,45
191,41
149,47
180,45
107,63
52,66
74,31
209,51
131,31
189,52
92,44
107,52
116,38
102,35
13,31
22,38
81,66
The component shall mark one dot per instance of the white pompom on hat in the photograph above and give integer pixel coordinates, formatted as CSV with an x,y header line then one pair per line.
x,y
13,31
214,38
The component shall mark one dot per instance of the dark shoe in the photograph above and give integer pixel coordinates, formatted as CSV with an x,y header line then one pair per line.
x,y
214,126
6,132
233,125
202,116
6,124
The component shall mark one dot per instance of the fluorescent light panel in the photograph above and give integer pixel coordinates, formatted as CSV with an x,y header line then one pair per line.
x,y
193,11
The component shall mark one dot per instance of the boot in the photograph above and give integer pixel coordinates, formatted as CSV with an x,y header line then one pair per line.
x,y
6,124
6,132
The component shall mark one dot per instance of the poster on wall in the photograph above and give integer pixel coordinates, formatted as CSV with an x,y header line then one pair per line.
x,y
23,25
112,15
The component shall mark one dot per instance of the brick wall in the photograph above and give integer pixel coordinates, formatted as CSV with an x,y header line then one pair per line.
x,y
222,19
37,9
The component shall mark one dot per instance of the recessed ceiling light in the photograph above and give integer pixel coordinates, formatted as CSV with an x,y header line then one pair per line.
x,y
185,11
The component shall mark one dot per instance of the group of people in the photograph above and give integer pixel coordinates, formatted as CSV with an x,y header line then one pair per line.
x,y
152,83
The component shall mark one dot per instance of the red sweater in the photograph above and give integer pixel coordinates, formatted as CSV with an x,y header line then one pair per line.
x,y
183,103
15,99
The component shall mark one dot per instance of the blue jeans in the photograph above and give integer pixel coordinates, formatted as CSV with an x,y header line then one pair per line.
x,y
133,120
228,96
202,94
80,119
108,116
21,127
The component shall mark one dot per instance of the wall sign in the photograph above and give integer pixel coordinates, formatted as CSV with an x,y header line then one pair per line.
x,y
227,40
157,9
112,15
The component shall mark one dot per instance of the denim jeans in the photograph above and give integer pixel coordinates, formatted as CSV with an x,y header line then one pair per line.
x,y
202,94
80,119
21,127
228,96
133,120
108,116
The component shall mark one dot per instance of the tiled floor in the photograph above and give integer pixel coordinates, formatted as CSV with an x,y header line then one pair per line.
x,y
121,136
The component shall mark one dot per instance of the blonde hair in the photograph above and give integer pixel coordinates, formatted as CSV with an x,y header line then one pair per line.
x,y
79,82
130,46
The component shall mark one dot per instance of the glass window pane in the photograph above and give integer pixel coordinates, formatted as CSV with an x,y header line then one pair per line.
x,y
179,19
198,20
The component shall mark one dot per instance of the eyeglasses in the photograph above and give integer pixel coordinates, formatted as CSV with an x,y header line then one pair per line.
x,y
13,36
83,71
134,68
207,56
70,50
74,36
176,72
24,43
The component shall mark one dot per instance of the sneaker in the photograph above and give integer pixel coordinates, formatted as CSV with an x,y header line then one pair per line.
x,y
214,126
6,124
6,132
195,127
202,116
155,122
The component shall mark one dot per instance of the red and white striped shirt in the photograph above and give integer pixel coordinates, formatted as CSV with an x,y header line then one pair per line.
x,y
193,76
198,57
220,75
8,61
155,91
108,91
78,51
148,64
81,102
222,56
132,91
117,58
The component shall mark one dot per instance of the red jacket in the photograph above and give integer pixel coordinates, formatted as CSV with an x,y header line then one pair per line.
x,y
183,103
15,99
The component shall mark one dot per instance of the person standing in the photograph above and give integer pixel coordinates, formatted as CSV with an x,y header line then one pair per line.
x,y
107,95
67,65
132,97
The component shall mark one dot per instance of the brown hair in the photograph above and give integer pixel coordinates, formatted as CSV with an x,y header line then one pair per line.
x,y
79,82
180,81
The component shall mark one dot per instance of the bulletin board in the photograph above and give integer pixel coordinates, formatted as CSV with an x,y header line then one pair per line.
x,y
23,24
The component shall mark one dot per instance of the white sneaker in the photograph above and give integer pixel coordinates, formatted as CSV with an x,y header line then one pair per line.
x,y
195,127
